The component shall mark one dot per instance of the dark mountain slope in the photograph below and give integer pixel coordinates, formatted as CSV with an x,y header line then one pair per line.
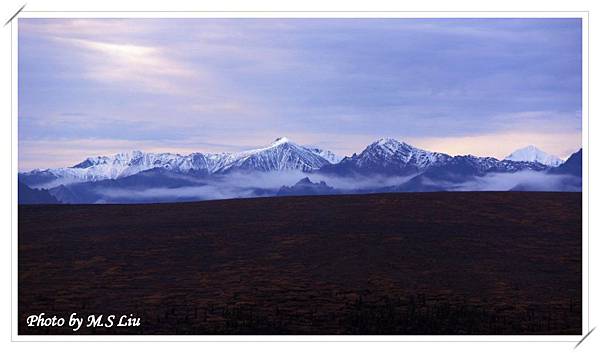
x,y
28,195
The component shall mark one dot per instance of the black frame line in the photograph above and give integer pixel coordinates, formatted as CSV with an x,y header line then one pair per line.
x,y
15,15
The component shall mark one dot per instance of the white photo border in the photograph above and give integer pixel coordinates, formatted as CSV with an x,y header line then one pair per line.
x,y
583,15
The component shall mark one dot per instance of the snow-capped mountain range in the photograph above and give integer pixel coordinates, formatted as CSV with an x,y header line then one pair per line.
x,y
281,155
384,156
390,157
386,165
534,154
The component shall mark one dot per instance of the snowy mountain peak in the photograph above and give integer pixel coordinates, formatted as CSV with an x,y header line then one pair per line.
x,y
390,145
388,152
280,141
387,141
282,154
533,154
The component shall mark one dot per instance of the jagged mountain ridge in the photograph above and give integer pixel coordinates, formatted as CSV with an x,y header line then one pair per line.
x,y
306,187
391,157
281,155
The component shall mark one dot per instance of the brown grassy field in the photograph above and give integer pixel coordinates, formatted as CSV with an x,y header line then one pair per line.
x,y
417,263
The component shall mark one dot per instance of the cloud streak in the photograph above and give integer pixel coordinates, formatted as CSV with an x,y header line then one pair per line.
x,y
143,67
529,180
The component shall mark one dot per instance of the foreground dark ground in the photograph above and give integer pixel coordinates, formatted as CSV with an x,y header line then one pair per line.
x,y
431,263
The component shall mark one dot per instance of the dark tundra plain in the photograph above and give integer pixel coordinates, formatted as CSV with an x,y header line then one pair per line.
x,y
406,263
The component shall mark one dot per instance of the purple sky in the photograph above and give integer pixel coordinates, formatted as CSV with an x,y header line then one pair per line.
x,y
481,86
